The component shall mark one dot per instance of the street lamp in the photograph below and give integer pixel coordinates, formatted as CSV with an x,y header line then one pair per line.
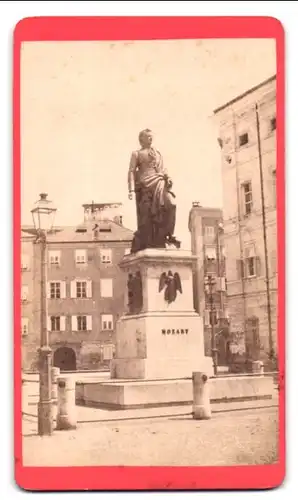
x,y
210,282
43,218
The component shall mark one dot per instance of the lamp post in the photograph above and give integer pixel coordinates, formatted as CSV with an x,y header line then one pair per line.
x,y
210,282
43,217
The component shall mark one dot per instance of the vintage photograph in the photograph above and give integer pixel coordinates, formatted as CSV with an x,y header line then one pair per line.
x,y
149,258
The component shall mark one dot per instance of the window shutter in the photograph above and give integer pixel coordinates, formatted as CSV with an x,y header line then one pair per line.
x,y
258,266
73,289
48,290
240,269
62,323
107,352
106,285
89,323
63,289
89,289
49,323
74,324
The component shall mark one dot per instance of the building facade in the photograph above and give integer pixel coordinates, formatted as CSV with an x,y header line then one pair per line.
x,y
247,138
207,244
85,290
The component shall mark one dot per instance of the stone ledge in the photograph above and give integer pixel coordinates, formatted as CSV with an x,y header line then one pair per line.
x,y
165,255
124,395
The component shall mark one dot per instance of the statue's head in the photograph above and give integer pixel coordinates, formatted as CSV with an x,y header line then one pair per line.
x,y
146,138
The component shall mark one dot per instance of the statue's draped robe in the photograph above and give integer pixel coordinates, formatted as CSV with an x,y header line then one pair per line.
x,y
156,210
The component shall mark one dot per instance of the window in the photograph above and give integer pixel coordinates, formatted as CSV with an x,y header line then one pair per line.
x,y
250,267
107,322
55,323
243,139
81,257
106,255
106,287
250,261
209,232
108,351
250,264
273,124
25,326
247,197
81,289
81,323
210,253
24,262
273,262
54,258
55,290
24,293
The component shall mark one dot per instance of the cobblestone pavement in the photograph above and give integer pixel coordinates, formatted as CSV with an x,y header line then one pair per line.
x,y
230,437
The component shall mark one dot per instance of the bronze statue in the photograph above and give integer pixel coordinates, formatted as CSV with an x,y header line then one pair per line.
x,y
172,283
156,209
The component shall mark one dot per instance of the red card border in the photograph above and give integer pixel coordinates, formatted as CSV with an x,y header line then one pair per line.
x,y
148,28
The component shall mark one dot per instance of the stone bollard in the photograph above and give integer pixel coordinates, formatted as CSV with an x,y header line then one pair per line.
x,y
201,399
66,414
258,367
55,372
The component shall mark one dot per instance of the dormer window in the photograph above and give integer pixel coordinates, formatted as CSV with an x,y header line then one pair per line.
x,y
81,257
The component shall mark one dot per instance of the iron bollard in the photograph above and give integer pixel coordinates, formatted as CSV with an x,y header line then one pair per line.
x,y
201,399
66,414
55,372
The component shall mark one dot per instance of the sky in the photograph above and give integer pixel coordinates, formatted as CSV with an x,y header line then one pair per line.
x,y
84,103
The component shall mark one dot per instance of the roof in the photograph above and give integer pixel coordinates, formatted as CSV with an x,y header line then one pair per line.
x,y
102,206
105,231
247,92
204,212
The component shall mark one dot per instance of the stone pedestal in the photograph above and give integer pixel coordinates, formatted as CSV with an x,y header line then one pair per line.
x,y
161,336
159,342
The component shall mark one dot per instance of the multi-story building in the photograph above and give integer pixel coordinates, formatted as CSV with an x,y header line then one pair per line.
x,y
27,288
206,229
247,137
85,289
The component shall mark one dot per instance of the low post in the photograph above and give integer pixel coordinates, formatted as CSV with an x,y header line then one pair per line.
x,y
55,372
258,367
66,414
201,399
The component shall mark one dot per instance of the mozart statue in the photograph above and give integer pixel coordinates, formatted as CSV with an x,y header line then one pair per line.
x,y
155,201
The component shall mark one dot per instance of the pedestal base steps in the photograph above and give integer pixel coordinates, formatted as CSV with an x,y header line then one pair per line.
x,y
133,394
